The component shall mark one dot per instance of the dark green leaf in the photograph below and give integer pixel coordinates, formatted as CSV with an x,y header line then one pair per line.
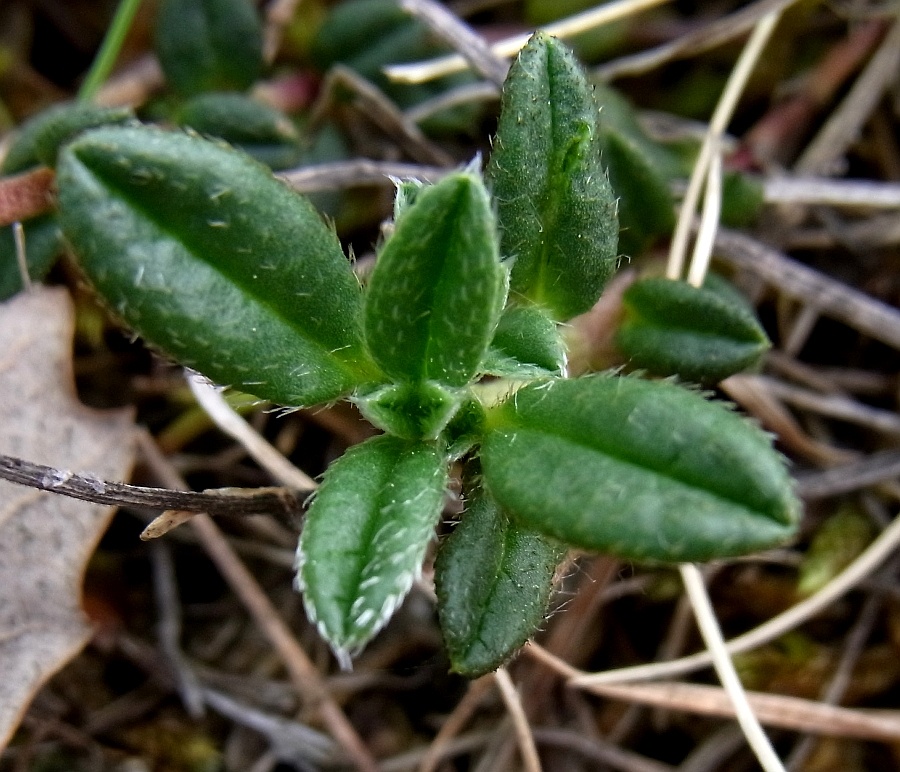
x,y
640,469
742,200
702,334
209,45
646,207
207,256
436,291
526,343
259,130
557,212
493,580
365,537
38,139
415,411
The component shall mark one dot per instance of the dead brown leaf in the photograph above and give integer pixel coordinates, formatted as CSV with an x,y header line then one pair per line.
x,y
46,540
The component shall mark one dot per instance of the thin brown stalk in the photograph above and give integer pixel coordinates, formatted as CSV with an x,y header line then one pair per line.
x,y
513,702
772,709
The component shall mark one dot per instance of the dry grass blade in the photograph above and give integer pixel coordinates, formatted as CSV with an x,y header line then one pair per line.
x,y
460,37
422,72
738,698
357,173
531,761
857,571
844,125
772,709
705,37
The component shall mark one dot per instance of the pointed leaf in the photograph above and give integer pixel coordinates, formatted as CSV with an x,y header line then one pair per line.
x,y
557,212
365,537
437,288
211,259
209,45
526,344
493,580
702,334
640,469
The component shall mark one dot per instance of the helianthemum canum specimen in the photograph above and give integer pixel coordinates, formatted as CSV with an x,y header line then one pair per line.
x,y
212,260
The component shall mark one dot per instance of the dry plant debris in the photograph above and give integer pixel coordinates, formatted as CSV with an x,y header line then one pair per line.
x,y
198,654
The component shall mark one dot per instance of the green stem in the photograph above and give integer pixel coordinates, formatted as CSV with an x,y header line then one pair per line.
x,y
109,50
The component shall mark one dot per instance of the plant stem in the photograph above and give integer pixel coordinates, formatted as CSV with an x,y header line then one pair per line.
x,y
712,636
109,50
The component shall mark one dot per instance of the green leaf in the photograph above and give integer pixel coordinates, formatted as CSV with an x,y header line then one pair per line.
x,y
436,291
415,411
38,140
365,537
646,207
43,244
742,200
556,209
640,469
210,258
209,45
702,334
261,131
526,344
493,580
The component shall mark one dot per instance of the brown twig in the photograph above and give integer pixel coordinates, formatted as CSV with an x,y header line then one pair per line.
x,y
285,502
25,195
831,297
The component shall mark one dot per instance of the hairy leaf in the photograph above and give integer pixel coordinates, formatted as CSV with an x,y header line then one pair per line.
x,y
437,288
261,131
640,469
414,411
209,45
493,580
526,343
365,537
702,334
38,140
646,207
211,259
557,212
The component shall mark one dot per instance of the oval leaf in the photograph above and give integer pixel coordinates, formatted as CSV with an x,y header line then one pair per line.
x,y
702,334
209,45
556,209
210,258
261,131
493,580
437,288
38,139
365,537
646,207
640,469
526,344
